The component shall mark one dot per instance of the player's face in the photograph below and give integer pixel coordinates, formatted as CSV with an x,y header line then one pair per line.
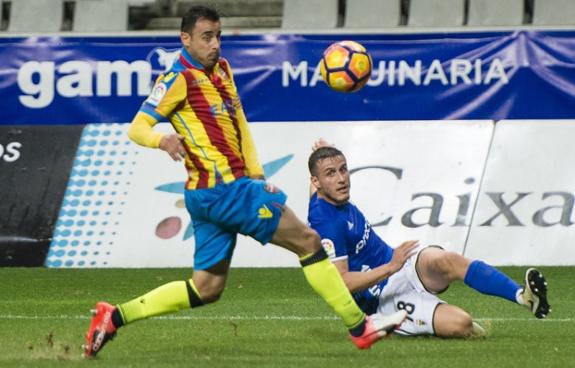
x,y
332,180
203,42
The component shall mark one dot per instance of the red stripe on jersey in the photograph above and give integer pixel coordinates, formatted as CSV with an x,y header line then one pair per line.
x,y
185,62
201,107
200,168
228,101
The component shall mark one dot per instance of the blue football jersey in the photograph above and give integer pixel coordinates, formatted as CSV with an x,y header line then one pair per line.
x,y
345,233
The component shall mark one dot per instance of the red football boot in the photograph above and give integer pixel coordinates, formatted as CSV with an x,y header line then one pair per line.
x,y
101,329
376,327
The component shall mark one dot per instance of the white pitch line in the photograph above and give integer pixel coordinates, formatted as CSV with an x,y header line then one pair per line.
x,y
260,318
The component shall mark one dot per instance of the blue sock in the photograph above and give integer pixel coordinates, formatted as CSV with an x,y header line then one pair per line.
x,y
488,280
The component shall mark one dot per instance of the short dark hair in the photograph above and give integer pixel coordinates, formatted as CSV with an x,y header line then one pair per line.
x,y
198,12
321,154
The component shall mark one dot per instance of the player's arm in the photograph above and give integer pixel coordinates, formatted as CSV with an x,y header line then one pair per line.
x,y
162,101
334,239
253,166
357,281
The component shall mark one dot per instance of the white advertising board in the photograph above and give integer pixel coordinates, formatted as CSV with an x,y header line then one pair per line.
x,y
524,214
412,180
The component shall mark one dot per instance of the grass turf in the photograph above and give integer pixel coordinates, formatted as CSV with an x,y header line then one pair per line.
x,y
266,317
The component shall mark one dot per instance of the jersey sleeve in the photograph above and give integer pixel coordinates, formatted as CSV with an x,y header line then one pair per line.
x,y
333,239
141,131
167,94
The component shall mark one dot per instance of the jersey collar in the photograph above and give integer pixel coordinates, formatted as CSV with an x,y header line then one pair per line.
x,y
188,61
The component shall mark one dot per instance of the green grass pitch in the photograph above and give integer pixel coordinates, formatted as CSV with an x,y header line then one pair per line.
x,y
266,318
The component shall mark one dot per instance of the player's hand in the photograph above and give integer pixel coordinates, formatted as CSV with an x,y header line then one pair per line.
x,y
173,145
320,143
402,253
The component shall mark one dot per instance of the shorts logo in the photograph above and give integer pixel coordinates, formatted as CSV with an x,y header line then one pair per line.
x,y
270,188
329,247
264,212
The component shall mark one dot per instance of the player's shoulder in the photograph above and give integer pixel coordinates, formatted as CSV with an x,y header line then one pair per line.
x,y
173,74
170,77
320,211
353,208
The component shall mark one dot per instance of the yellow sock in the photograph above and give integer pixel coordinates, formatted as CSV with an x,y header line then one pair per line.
x,y
325,279
168,298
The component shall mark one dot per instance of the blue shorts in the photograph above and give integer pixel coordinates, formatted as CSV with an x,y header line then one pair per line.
x,y
245,206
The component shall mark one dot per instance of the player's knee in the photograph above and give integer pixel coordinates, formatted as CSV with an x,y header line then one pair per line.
x,y
452,322
311,241
452,265
211,296
210,293
462,325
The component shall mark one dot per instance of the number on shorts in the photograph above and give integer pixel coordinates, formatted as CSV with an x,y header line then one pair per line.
x,y
408,307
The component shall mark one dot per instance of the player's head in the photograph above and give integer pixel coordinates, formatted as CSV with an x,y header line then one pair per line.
x,y
200,34
329,174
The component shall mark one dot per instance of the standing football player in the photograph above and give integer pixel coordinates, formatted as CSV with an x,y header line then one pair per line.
x,y
225,192
382,286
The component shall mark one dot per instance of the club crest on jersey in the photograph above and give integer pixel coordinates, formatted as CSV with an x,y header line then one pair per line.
x,y
329,247
157,94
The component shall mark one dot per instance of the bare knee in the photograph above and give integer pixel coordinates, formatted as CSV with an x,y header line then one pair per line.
x,y
292,234
210,284
450,265
209,293
210,297
462,326
311,242
453,322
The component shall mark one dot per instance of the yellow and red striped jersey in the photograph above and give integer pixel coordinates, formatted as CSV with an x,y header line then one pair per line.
x,y
204,108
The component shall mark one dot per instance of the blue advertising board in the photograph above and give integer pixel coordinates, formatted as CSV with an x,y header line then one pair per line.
x,y
489,75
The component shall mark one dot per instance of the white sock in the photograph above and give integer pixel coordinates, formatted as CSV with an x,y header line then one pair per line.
x,y
519,297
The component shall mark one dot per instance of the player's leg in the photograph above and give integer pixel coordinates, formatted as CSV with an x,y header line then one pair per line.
x,y
437,268
325,279
214,248
427,314
320,273
452,321
404,292
205,287
258,209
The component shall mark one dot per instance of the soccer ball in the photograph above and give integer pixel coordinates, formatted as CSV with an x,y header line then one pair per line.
x,y
345,66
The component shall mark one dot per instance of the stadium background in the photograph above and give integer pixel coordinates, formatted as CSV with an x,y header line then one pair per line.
x,y
462,137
